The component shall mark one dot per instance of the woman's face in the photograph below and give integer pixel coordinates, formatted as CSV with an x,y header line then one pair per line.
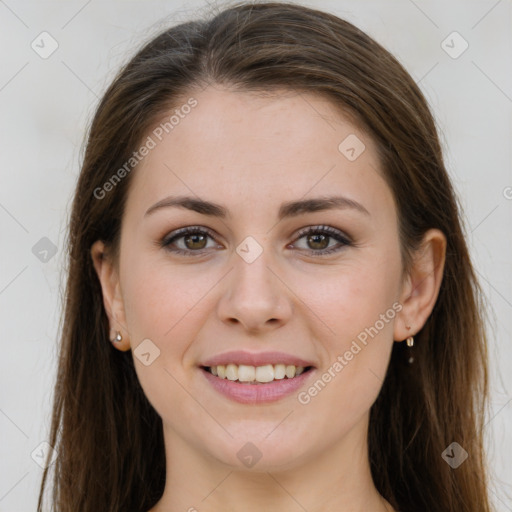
x,y
258,285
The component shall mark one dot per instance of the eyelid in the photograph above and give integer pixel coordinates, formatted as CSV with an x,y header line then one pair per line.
x,y
321,228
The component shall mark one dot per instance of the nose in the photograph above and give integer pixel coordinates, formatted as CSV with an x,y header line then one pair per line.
x,y
255,297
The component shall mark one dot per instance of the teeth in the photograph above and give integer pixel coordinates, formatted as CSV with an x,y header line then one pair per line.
x,y
279,371
265,373
246,373
231,372
290,371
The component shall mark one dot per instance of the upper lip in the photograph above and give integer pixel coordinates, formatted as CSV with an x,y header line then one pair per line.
x,y
255,359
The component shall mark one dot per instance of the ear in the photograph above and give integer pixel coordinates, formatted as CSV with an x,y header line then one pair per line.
x,y
108,276
421,287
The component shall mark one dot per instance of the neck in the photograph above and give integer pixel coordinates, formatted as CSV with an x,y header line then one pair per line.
x,y
334,478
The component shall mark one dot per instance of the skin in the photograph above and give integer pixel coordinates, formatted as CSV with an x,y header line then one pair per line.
x,y
250,153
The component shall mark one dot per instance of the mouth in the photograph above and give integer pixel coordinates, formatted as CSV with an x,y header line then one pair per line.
x,y
250,378
256,375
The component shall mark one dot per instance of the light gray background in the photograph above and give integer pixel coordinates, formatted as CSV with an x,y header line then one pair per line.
x,y
45,105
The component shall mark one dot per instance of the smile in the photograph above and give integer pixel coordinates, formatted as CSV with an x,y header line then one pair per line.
x,y
256,374
256,377
255,392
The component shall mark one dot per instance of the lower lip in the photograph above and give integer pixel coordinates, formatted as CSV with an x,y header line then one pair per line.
x,y
257,393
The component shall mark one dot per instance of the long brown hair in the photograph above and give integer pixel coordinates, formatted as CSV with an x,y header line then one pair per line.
x,y
108,437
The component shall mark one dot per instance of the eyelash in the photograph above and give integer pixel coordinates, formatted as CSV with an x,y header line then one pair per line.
x,y
325,230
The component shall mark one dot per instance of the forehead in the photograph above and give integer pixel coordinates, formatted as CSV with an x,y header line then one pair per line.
x,y
245,146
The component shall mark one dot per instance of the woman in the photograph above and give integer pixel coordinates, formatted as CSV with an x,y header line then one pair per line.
x,y
270,303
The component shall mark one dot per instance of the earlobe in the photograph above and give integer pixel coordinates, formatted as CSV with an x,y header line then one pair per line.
x,y
112,300
422,286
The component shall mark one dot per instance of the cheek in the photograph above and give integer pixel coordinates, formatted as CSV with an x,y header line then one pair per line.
x,y
356,308
348,300
162,304
160,300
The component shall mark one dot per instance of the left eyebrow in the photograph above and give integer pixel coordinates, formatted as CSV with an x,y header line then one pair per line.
x,y
288,209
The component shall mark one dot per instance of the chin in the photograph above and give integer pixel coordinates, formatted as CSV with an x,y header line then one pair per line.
x,y
257,454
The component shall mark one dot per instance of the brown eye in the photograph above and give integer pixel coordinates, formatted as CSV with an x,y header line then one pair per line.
x,y
189,241
318,240
195,241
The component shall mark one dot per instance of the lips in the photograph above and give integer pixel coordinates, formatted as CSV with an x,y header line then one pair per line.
x,y
255,393
241,357
256,377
